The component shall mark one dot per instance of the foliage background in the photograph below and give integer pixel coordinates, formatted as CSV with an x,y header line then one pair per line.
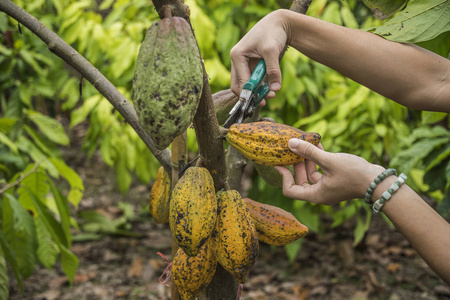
x,y
42,102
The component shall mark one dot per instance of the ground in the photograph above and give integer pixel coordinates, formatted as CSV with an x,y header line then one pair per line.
x,y
383,266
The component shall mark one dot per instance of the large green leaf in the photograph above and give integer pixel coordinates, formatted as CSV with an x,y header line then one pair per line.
x,y
11,257
50,127
4,279
18,227
48,250
420,21
69,262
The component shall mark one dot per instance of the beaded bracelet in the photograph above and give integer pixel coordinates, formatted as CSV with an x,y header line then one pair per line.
x,y
377,205
376,181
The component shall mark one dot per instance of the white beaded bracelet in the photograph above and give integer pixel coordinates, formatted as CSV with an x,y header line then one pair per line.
x,y
377,205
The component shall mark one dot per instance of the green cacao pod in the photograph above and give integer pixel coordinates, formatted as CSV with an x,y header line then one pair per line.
x,y
193,209
168,80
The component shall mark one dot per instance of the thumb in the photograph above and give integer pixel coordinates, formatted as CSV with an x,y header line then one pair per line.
x,y
307,150
273,73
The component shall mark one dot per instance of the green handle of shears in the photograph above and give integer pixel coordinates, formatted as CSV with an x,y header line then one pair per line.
x,y
261,92
257,76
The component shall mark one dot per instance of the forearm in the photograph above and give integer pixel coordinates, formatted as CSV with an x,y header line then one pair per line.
x,y
422,226
405,73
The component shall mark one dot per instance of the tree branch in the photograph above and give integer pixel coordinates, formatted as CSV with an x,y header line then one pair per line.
x,y
93,75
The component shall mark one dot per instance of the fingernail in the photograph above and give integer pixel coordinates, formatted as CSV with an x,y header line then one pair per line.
x,y
293,143
275,86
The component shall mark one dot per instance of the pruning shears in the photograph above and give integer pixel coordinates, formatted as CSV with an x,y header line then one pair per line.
x,y
253,92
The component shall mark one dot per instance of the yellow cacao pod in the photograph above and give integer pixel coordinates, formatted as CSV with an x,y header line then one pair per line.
x,y
193,209
274,225
159,197
266,143
191,274
235,238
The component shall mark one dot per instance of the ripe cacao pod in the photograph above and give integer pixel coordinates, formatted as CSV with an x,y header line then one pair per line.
x,y
235,239
191,274
193,209
274,225
168,80
159,197
266,143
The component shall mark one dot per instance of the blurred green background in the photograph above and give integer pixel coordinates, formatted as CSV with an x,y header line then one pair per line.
x,y
41,105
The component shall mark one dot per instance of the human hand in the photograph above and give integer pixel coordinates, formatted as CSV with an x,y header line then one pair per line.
x,y
265,40
345,176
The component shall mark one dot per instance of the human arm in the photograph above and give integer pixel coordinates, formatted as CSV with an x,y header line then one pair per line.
x,y
405,73
347,176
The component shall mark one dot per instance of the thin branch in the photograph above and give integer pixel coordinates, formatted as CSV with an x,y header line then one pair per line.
x,y
21,177
88,71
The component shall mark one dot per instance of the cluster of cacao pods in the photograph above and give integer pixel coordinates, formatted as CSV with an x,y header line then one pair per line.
x,y
215,227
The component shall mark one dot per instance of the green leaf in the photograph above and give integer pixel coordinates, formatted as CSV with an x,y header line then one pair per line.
x,y
4,279
419,21
76,184
49,220
361,227
293,249
431,117
69,263
436,177
123,176
4,139
20,233
383,9
443,208
11,257
64,212
409,158
36,181
48,250
28,57
348,17
50,127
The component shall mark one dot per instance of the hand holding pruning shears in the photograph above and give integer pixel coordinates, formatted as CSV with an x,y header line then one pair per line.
x,y
253,92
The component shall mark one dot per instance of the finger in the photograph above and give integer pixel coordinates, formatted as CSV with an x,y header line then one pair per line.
x,y
291,190
240,65
311,171
308,151
300,174
273,72
235,88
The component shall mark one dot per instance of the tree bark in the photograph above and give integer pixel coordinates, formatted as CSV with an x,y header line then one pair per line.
x,y
93,75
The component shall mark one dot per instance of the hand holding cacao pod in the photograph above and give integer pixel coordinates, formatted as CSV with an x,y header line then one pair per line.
x,y
266,143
